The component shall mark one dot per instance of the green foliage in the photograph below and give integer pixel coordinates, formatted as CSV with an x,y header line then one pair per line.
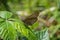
x,y
24,30
43,34
5,14
9,29
35,25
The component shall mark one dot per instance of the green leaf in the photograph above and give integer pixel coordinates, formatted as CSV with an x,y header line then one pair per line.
x,y
1,19
7,31
35,25
5,14
43,35
24,30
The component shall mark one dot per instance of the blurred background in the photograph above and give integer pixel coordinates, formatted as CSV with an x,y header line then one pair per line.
x,y
39,14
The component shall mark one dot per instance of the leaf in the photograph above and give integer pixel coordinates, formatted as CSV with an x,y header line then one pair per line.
x,y
1,19
8,31
5,14
35,25
24,30
43,35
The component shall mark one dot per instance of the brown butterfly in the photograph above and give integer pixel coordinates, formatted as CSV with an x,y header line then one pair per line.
x,y
31,19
